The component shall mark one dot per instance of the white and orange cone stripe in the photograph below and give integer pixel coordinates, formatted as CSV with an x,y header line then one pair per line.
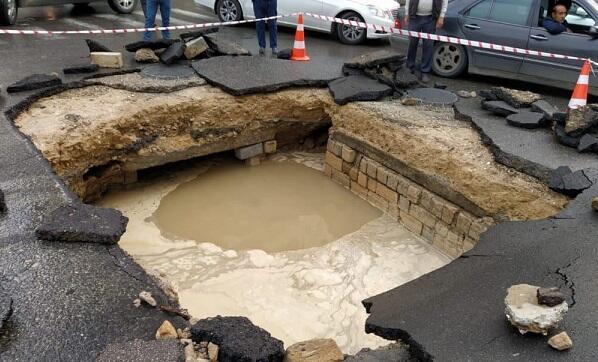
x,y
299,51
580,93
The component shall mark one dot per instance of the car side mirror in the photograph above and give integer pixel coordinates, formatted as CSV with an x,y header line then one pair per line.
x,y
593,32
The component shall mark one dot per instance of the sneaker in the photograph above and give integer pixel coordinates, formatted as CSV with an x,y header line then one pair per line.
x,y
262,52
274,52
425,78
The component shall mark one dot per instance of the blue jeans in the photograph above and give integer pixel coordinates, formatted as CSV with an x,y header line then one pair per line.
x,y
422,24
150,17
264,9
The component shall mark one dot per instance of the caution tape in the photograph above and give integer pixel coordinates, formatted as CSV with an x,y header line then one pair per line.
x,y
137,30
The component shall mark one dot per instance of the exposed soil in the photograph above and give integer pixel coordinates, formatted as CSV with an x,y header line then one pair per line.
x,y
93,136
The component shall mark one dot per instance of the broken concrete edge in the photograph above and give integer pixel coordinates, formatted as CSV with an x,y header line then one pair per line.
x,y
271,88
416,350
430,183
520,164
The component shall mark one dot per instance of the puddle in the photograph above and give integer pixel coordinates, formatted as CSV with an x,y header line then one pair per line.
x,y
295,293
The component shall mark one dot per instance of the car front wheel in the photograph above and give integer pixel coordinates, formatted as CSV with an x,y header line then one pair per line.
x,y
8,12
351,35
123,6
229,10
449,60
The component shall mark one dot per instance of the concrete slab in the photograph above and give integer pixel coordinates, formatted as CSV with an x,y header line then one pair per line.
x,y
247,75
357,88
535,152
460,316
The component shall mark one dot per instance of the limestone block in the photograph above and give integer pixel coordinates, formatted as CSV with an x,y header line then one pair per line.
x,y
414,193
335,147
327,170
362,179
334,161
372,184
378,201
253,161
404,203
270,146
437,207
428,233
315,350
476,230
341,178
382,174
448,213
422,215
107,59
213,350
166,331
348,154
441,229
411,223
363,165
359,190
372,169
353,173
524,312
244,153
388,194
561,341
346,167
392,180
195,48
463,223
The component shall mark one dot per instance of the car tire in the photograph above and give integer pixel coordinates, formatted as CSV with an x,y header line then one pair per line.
x,y
229,10
123,6
9,11
349,34
449,60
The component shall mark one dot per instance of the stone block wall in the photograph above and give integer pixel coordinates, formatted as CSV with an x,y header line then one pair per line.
x,y
443,224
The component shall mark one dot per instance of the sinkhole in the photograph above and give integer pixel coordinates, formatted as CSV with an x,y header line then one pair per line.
x,y
279,243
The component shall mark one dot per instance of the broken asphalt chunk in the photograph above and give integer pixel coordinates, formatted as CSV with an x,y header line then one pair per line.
x,y
550,296
225,47
81,69
95,46
35,81
357,88
545,108
83,223
373,59
529,120
588,143
173,53
569,183
238,339
563,138
2,203
500,108
153,44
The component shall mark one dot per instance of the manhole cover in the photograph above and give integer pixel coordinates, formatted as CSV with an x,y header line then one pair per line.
x,y
161,71
433,96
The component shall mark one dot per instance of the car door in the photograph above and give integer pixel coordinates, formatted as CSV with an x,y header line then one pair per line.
x,y
575,44
503,22
297,6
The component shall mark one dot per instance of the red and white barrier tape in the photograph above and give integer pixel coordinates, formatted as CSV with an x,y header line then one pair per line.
x,y
136,30
447,39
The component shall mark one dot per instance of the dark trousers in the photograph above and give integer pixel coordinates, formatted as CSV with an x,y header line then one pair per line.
x,y
422,24
264,9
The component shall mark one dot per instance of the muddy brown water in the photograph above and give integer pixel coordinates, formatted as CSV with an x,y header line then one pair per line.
x,y
276,206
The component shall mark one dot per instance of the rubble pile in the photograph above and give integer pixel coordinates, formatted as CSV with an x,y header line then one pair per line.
x,y
385,66
525,313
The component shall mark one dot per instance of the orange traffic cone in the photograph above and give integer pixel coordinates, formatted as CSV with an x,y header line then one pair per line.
x,y
299,52
580,93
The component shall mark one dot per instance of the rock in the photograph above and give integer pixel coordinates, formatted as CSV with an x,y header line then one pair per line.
x,y
529,120
524,312
588,143
153,45
567,182
499,108
466,94
107,60
357,88
488,95
563,138
542,106
190,355
409,102
148,298
315,350
147,351
439,85
35,81
560,342
405,79
516,98
582,120
285,54
433,96
373,59
173,53
95,47
213,352
83,223
137,302
146,55
391,353
247,152
186,37
5,307
550,296
2,203
166,331
81,69
195,48
270,146
595,203
238,339
225,47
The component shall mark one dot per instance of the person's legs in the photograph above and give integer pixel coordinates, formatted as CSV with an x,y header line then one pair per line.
x,y
427,26
272,26
150,19
414,24
258,11
144,8
165,6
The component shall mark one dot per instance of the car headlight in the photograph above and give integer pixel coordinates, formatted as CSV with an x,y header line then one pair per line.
x,y
381,13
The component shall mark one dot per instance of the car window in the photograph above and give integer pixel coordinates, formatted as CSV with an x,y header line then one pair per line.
x,y
480,10
511,11
580,17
